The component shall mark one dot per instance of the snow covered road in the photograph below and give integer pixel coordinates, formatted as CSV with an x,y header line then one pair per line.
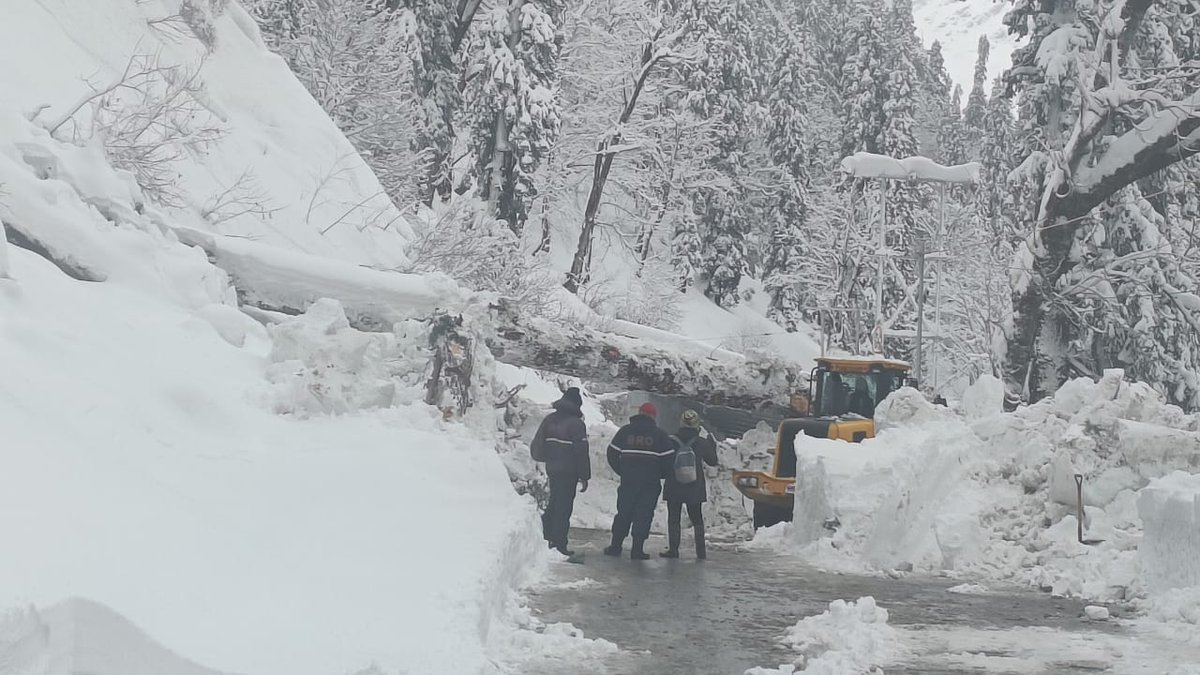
x,y
728,614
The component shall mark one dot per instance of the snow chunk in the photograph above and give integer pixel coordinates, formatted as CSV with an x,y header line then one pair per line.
x,y
846,639
984,398
905,407
1096,612
1170,511
968,589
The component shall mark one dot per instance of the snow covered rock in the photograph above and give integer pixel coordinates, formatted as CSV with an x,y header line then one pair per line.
x,y
1096,612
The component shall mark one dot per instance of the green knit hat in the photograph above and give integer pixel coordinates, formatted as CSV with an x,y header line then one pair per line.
x,y
691,418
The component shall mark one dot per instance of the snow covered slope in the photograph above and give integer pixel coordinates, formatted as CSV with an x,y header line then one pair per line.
x,y
273,166
958,25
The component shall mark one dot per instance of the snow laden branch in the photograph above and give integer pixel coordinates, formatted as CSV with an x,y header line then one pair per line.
x,y
1170,135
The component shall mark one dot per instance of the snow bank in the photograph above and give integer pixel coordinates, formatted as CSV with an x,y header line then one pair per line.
x,y
847,639
1170,547
148,473
994,496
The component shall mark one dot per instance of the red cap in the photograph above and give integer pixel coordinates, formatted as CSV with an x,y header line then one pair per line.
x,y
648,408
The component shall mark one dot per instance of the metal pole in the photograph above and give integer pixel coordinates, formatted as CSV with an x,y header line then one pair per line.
x,y
937,290
881,256
920,309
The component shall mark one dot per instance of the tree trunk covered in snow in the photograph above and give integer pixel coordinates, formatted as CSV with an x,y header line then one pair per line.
x,y
637,364
606,151
290,282
1114,105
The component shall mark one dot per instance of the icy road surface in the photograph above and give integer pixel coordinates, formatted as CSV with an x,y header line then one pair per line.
x,y
727,614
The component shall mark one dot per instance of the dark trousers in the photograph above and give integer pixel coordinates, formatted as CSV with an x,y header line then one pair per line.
x,y
675,514
636,502
556,519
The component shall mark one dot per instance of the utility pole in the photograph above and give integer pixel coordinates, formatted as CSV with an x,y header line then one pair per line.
x,y
939,258
882,258
920,309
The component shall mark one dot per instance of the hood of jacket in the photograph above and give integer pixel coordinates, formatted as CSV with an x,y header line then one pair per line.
x,y
568,406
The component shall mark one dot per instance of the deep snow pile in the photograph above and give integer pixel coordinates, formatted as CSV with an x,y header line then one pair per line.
x,y
148,472
850,638
994,495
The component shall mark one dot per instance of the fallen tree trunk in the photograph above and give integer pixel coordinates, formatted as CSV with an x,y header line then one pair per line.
x,y
283,281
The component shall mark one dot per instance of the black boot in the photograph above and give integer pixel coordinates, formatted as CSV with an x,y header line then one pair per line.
x,y
637,553
564,550
669,553
613,550
698,525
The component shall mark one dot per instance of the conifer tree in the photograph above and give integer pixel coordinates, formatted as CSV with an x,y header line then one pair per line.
x,y
511,103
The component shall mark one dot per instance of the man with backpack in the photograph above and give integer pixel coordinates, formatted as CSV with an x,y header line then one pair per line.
x,y
685,484
561,442
641,454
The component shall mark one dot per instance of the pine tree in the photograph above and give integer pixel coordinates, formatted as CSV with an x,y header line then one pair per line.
x,y
436,79
788,137
863,81
993,203
724,87
952,135
511,103
977,101
897,135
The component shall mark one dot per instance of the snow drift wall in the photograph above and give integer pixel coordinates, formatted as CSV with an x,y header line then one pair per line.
x,y
994,495
1170,547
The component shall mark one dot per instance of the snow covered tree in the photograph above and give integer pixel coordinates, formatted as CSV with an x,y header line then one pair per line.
x,y
863,79
353,58
1095,123
993,204
511,103
977,101
724,86
436,77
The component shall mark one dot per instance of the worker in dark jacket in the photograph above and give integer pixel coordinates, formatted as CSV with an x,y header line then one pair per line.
x,y
562,441
693,494
641,454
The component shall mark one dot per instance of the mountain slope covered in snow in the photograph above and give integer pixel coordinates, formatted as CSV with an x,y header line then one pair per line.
x,y
958,26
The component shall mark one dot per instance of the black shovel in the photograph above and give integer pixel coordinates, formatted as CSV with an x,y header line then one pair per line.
x,y
1079,516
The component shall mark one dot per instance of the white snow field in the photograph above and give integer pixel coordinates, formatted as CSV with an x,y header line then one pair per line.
x,y
257,499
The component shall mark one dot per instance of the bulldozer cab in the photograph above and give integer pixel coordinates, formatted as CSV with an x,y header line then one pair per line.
x,y
853,387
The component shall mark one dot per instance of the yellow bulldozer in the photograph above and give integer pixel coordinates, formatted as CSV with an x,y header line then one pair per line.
x,y
839,404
